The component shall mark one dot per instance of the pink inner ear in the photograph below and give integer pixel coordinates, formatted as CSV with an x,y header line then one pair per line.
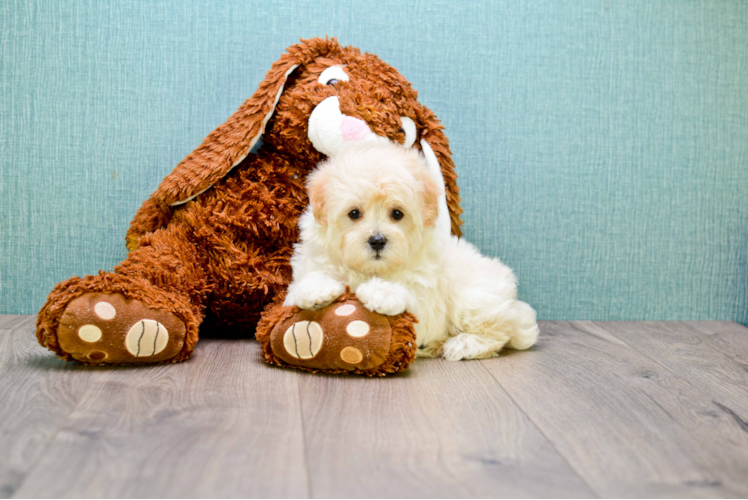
x,y
354,129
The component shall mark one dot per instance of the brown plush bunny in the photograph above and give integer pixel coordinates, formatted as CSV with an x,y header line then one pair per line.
x,y
212,245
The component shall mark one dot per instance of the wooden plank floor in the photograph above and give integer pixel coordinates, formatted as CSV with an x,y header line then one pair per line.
x,y
594,410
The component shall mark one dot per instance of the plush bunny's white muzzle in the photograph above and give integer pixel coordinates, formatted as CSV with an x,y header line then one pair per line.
x,y
329,129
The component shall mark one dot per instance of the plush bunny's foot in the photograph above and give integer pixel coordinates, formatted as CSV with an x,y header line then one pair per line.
x,y
111,319
108,328
343,337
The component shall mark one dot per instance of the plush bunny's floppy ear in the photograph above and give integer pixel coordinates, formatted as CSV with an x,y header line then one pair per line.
x,y
226,146
435,148
221,151
229,144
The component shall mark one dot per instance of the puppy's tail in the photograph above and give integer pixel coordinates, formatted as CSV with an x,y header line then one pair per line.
x,y
526,332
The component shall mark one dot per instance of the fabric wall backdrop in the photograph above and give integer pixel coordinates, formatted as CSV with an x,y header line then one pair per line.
x,y
602,146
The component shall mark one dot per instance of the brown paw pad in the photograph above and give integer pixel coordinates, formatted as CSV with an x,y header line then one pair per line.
x,y
110,329
342,336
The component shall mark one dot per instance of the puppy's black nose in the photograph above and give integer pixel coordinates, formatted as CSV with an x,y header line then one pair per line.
x,y
377,242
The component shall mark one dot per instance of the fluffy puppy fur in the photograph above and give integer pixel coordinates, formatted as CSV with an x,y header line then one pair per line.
x,y
372,227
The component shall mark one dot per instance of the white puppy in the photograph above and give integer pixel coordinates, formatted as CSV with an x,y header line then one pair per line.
x,y
372,226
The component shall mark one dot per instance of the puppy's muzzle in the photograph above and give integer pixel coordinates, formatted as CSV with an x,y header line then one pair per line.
x,y
377,242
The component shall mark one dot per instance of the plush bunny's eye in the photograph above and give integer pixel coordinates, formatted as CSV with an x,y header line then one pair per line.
x,y
409,127
332,75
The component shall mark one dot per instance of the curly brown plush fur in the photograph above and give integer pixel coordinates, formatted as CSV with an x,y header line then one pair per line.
x,y
216,237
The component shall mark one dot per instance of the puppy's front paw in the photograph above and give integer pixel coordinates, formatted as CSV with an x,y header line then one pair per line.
x,y
383,297
313,293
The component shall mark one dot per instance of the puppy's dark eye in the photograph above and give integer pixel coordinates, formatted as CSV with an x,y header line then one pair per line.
x,y
397,214
354,214
333,82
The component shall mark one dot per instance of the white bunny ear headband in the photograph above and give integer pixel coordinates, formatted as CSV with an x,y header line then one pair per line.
x,y
330,130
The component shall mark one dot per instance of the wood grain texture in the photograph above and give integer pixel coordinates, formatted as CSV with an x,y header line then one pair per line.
x,y
441,429
16,321
726,336
37,393
629,426
611,409
222,425
692,355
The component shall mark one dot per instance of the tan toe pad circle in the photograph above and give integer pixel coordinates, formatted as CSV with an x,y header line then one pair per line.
x,y
351,355
357,328
345,310
105,310
89,333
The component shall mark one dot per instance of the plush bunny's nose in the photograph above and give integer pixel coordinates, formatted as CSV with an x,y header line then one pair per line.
x,y
354,129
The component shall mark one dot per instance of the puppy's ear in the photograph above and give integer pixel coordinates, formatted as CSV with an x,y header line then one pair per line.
x,y
432,131
430,193
316,189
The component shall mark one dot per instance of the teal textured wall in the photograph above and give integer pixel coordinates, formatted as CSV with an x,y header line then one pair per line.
x,y
602,146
